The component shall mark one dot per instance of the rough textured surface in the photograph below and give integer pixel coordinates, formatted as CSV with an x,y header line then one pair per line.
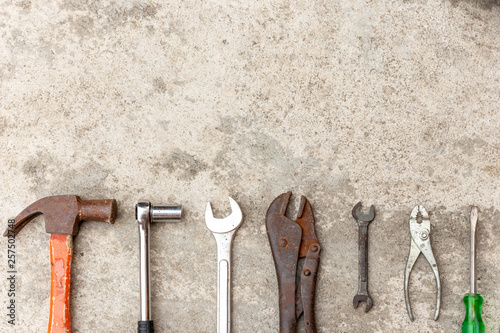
x,y
393,103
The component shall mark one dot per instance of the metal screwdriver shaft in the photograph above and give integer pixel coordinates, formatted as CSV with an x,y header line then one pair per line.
x,y
473,322
473,224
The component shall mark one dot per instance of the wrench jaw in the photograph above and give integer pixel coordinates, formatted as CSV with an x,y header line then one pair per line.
x,y
305,218
227,224
362,298
359,216
277,209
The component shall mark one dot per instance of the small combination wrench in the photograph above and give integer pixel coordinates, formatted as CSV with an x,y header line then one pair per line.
x,y
363,221
223,231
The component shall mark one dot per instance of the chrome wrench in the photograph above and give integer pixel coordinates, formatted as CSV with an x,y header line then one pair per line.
x,y
145,213
223,231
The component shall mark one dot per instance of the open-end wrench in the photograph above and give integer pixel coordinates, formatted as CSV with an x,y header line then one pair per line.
x,y
223,231
363,220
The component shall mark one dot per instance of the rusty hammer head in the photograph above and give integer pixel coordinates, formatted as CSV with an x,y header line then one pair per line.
x,y
63,213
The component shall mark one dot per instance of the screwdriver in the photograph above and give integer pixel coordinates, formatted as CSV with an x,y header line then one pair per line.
x,y
473,323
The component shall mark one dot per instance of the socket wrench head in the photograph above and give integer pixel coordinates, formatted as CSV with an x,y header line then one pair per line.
x,y
146,213
168,213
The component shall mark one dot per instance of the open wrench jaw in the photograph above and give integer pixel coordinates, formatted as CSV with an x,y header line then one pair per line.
x,y
227,224
362,298
356,213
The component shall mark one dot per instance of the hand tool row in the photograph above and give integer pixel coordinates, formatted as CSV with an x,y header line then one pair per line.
x,y
290,241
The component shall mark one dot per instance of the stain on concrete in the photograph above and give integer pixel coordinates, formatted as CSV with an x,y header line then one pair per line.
x,y
37,166
492,170
388,90
254,148
470,145
114,15
183,165
228,125
6,72
17,39
82,25
486,4
165,125
48,178
136,10
159,85
24,4
3,121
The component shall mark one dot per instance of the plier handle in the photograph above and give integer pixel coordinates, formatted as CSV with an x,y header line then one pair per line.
x,y
420,232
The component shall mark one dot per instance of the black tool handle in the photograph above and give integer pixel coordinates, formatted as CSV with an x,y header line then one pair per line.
x,y
145,326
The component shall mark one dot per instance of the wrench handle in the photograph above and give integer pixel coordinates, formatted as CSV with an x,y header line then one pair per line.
x,y
223,282
223,303
61,251
362,257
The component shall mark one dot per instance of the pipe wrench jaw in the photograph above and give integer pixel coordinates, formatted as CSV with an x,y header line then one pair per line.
x,y
277,209
276,214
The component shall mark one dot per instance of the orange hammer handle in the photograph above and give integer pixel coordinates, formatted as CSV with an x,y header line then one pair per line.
x,y
61,251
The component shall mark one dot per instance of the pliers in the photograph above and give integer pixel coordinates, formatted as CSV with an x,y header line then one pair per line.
x,y
421,243
291,240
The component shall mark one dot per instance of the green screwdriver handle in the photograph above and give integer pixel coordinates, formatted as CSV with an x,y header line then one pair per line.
x,y
473,323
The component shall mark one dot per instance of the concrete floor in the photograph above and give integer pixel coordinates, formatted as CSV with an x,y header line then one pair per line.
x,y
394,103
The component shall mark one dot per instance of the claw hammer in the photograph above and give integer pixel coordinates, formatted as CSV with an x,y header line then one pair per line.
x,y
63,214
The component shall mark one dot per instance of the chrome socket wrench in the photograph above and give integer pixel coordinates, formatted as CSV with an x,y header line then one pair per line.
x,y
145,213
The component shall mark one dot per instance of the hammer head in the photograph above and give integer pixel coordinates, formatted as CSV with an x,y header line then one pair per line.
x,y
63,213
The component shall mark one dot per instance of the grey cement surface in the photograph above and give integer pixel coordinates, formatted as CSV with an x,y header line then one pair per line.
x,y
394,103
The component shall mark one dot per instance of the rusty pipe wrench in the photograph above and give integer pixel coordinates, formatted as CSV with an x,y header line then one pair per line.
x,y
291,240
63,214
223,231
145,213
363,221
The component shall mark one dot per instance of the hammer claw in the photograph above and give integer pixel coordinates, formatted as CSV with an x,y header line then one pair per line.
x,y
28,214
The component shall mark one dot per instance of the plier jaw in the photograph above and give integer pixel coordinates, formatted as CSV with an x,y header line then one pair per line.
x,y
421,243
290,240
